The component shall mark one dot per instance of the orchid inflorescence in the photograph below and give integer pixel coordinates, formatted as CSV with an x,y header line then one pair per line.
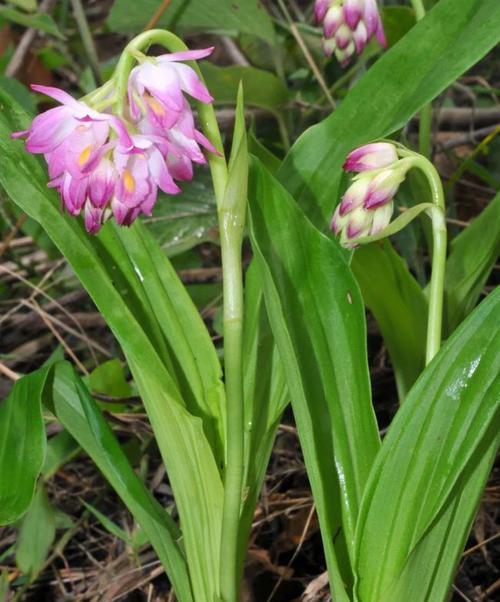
x,y
348,25
367,205
108,156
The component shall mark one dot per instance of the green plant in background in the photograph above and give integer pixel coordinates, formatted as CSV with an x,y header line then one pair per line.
x,y
394,514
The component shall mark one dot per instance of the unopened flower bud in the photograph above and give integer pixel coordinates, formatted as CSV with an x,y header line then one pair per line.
x,y
348,25
367,205
371,156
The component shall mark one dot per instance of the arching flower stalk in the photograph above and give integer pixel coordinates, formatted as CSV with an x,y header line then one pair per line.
x,y
348,25
107,163
365,211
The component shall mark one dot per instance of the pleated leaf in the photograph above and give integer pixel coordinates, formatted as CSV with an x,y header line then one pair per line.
x,y
444,429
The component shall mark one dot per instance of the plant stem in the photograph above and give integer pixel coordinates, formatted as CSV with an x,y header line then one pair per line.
x,y
425,125
439,236
419,8
232,213
88,41
232,282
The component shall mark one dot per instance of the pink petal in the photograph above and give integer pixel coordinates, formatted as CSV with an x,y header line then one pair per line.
x,y
161,175
57,94
353,10
186,55
191,83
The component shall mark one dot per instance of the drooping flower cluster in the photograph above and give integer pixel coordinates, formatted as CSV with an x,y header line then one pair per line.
x,y
348,25
108,166
367,205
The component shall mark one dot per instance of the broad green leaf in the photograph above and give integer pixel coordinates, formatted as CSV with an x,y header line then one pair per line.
x,y
445,427
453,36
61,448
22,444
397,20
124,303
182,222
40,21
262,88
36,534
109,379
429,570
81,416
317,318
194,15
265,393
193,355
472,257
399,306
18,91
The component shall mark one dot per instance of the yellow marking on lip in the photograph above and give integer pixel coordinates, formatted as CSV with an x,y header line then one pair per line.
x,y
128,181
156,106
84,155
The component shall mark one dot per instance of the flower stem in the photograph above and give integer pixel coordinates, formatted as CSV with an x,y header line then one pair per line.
x,y
233,371
439,237
425,125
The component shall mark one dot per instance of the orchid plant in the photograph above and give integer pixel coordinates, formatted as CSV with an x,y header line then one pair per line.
x,y
394,513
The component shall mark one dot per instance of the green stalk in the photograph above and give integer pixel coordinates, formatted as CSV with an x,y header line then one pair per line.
x,y
232,213
230,193
439,237
425,125
232,281
87,39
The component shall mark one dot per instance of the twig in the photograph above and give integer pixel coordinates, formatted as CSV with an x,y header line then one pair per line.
x,y
9,373
17,60
87,39
157,16
234,52
471,137
306,53
297,550
10,236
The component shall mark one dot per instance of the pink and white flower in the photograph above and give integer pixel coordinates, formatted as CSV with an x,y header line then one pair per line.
x,y
348,25
156,87
103,166
368,203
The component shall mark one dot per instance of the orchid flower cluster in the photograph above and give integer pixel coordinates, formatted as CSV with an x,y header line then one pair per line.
x,y
367,205
348,25
108,157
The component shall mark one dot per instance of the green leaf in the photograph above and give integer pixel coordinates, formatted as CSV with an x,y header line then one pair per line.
x,y
399,306
36,534
265,394
431,566
194,359
262,88
194,15
108,524
40,21
397,21
61,448
117,284
453,36
20,92
182,222
444,429
317,318
22,444
109,379
81,416
472,257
